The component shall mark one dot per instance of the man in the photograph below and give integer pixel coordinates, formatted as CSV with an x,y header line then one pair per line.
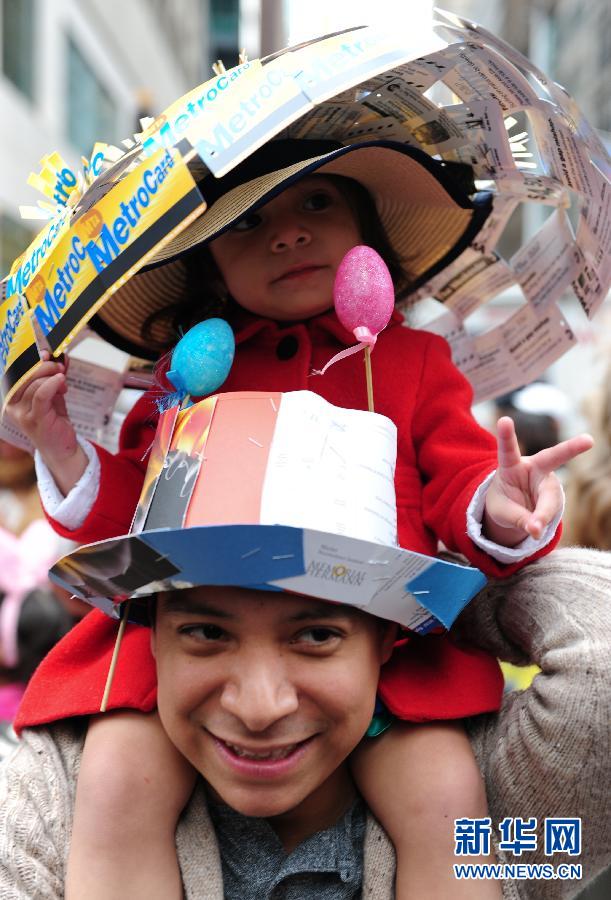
x,y
546,754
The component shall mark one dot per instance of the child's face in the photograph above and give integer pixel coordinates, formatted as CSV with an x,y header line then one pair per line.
x,y
280,261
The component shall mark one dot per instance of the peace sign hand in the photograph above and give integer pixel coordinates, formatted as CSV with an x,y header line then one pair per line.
x,y
525,495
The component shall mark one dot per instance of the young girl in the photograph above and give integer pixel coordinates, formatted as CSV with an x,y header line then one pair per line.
x,y
278,227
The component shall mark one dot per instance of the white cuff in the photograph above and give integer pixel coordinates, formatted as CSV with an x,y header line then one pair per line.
x,y
72,510
475,515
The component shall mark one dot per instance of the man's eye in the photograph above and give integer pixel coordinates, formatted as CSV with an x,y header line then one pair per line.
x,y
250,221
317,201
207,632
318,636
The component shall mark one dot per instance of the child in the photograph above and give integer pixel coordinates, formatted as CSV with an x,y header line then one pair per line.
x,y
275,241
32,618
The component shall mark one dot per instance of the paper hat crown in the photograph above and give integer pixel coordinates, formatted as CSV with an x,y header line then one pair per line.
x,y
272,491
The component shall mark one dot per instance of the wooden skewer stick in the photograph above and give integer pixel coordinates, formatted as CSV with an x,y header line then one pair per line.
x,y
115,656
369,379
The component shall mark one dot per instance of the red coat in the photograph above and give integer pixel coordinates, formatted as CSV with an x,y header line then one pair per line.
x,y
443,455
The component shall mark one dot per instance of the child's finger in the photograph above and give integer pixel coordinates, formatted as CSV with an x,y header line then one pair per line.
x,y
549,503
45,370
554,457
21,402
509,514
42,399
508,448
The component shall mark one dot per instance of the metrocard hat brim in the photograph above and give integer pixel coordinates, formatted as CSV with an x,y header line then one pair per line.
x,y
426,207
265,557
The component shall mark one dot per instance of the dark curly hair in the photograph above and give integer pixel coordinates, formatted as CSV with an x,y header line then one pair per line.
x,y
205,295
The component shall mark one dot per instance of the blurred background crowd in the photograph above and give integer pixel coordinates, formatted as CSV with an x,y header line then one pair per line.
x,y
76,71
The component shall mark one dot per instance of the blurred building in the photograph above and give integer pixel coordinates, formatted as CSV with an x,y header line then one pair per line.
x,y
76,71
273,25
224,30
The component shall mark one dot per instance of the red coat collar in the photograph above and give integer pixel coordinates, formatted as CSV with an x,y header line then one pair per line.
x,y
246,325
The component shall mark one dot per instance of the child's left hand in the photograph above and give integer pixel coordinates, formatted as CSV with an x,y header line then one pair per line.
x,y
525,494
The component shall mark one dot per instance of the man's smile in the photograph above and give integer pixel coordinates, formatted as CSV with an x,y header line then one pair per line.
x,y
270,761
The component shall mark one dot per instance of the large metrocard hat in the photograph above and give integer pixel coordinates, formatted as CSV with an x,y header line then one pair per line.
x,y
405,114
238,493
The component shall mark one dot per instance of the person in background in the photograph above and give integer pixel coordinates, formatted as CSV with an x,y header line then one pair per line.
x,y
536,411
34,614
32,617
19,498
588,523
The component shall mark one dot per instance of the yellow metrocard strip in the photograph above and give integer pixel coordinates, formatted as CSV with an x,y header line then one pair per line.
x,y
40,183
18,352
55,159
111,242
26,266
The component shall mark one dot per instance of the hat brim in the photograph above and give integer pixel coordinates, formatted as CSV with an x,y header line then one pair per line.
x,y
427,215
270,557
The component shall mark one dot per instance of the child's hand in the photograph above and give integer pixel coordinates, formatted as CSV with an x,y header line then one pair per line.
x,y
38,409
525,494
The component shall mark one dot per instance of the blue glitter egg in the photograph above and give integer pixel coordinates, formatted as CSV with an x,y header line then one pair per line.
x,y
202,359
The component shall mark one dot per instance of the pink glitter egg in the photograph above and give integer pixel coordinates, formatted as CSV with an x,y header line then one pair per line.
x,y
363,292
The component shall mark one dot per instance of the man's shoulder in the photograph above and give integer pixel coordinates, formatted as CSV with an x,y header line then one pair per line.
x,y
37,787
37,784
50,754
379,862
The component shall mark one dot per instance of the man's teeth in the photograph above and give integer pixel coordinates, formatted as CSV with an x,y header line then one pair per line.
x,y
281,753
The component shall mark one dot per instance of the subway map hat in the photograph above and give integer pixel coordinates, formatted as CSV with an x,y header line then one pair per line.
x,y
238,492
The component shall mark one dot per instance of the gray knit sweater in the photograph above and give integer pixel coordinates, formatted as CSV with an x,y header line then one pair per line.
x,y
546,753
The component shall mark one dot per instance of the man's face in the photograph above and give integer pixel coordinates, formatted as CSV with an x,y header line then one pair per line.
x,y
265,693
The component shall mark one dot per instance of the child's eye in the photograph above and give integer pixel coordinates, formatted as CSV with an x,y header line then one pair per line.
x,y
317,201
250,221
